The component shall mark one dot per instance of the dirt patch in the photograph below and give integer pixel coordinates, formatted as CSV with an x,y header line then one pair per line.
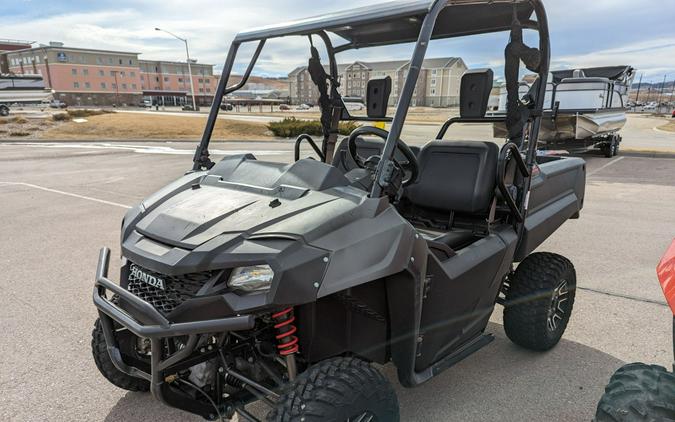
x,y
669,127
144,126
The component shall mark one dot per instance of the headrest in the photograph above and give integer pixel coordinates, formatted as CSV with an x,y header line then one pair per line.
x,y
474,93
578,73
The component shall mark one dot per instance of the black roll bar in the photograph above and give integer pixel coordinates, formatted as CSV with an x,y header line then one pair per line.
x,y
310,141
405,97
201,158
453,120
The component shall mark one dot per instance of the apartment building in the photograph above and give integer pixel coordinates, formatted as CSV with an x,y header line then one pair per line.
x,y
82,76
437,86
168,82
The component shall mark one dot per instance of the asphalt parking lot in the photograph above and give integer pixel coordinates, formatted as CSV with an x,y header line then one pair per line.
x,y
60,203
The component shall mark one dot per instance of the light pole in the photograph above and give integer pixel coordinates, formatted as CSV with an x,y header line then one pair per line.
x,y
187,52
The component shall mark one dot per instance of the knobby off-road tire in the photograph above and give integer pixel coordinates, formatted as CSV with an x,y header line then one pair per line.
x,y
539,301
638,392
338,390
106,366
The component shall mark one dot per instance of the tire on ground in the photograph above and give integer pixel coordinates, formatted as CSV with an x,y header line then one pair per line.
x,y
638,392
108,369
533,318
337,390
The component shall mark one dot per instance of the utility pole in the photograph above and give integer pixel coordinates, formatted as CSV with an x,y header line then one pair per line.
x,y
187,52
117,90
637,98
663,85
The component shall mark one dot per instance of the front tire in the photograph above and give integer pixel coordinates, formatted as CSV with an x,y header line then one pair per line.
x,y
108,369
638,392
338,390
4,111
539,301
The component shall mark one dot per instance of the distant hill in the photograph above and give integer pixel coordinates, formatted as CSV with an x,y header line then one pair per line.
x,y
258,82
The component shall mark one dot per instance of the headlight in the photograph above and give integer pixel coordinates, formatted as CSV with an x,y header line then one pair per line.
x,y
256,278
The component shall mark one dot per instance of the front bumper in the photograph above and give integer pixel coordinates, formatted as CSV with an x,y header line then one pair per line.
x,y
157,330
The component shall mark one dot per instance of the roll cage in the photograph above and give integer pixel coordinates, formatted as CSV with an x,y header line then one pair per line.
x,y
418,21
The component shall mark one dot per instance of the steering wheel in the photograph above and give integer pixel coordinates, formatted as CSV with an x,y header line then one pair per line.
x,y
411,166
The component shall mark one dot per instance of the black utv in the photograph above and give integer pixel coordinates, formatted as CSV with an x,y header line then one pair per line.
x,y
249,281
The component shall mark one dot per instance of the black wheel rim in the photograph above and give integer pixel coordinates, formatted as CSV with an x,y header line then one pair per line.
x,y
557,311
366,416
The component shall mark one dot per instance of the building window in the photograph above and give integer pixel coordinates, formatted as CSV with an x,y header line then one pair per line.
x,y
124,86
156,78
208,89
133,86
85,72
99,60
201,90
208,81
87,85
166,79
103,85
73,72
101,73
120,61
433,92
109,60
180,80
114,86
112,73
433,82
132,74
122,74
201,81
433,72
131,62
76,84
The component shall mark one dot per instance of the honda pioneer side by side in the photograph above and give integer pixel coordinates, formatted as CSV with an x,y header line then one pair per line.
x,y
249,281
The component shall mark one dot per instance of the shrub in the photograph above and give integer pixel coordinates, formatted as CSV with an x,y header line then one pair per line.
x,y
87,112
291,127
61,117
19,134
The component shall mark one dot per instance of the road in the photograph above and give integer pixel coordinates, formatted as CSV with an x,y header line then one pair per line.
x,y
639,135
62,202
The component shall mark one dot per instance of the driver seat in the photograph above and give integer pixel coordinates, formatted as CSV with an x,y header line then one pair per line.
x,y
455,191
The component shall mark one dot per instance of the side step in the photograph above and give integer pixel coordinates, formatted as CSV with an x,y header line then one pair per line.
x,y
465,351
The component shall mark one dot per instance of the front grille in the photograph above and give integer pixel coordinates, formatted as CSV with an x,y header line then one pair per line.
x,y
177,289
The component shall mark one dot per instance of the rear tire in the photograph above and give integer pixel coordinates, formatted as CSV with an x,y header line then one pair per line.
x,y
108,369
4,111
338,390
638,392
539,301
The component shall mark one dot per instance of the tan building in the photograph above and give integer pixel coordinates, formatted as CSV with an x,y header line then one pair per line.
x,y
169,82
82,76
437,86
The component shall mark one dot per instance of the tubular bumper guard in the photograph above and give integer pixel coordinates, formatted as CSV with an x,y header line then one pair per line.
x,y
159,328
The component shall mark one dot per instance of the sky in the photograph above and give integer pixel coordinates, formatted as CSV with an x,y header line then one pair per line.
x,y
584,33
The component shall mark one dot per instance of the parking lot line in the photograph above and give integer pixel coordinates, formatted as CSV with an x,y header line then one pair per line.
x,y
60,192
605,166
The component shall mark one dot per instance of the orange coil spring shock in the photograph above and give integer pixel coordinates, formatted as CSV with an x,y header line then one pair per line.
x,y
287,341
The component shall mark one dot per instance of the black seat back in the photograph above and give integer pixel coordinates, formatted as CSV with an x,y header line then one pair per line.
x,y
456,177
